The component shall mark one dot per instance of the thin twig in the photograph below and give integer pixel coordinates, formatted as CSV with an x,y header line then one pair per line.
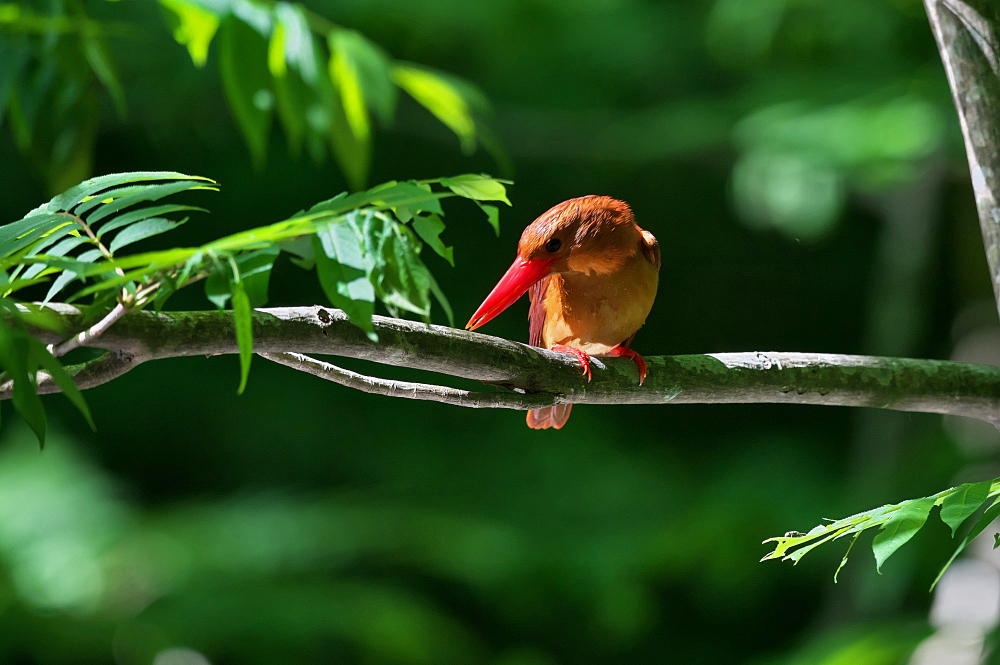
x,y
90,334
408,390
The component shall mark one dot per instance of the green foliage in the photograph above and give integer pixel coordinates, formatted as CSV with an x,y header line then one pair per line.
x,y
53,64
361,246
898,523
323,81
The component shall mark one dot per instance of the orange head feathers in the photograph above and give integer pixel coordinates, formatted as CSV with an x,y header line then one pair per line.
x,y
589,234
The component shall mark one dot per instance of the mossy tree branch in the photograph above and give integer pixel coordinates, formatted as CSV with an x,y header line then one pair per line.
x,y
531,377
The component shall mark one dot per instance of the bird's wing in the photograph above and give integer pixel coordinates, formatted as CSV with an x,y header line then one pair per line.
x,y
536,311
650,248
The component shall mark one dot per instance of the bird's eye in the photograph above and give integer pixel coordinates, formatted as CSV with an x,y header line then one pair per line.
x,y
553,245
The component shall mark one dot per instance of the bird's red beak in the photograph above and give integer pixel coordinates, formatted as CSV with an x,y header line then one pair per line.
x,y
518,278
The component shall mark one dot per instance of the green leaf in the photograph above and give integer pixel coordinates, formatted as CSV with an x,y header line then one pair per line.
x,y
442,300
243,319
300,52
104,68
147,228
149,193
194,27
478,187
987,518
363,64
255,273
347,80
143,213
10,233
62,379
343,273
246,80
429,229
962,502
400,278
902,525
492,216
276,52
843,561
61,249
441,97
94,186
351,149
14,355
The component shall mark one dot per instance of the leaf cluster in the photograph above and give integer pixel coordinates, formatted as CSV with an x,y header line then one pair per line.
x,y
364,247
898,523
327,85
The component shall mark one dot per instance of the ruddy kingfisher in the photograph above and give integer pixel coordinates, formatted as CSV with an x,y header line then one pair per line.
x,y
591,274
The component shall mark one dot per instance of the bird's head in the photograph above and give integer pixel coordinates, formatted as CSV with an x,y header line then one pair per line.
x,y
589,234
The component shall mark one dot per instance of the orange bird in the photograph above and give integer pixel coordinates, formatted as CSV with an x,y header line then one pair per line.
x,y
592,275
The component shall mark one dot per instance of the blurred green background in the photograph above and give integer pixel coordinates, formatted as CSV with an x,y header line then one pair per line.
x,y
801,165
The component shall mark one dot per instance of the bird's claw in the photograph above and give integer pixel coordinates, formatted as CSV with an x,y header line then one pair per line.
x,y
580,355
625,352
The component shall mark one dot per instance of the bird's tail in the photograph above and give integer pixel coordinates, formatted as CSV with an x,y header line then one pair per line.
x,y
551,416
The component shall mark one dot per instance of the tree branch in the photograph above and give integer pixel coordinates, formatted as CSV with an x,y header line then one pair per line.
x,y
90,374
966,32
901,384
408,390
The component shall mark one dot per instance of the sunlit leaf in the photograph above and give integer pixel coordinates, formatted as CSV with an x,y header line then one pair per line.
x,y
343,272
243,321
358,62
351,148
194,27
95,186
442,98
962,502
478,187
902,525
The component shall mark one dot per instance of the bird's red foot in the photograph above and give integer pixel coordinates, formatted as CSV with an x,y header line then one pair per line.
x,y
580,355
625,352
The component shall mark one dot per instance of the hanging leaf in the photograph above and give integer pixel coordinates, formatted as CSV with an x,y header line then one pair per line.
x,y
243,320
194,27
14,355
100,61
368,67
429,229
987,518
442,98
962,502
255,274
901,526
246,80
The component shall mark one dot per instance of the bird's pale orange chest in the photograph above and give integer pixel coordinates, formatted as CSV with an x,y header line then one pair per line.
x,y
597,312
